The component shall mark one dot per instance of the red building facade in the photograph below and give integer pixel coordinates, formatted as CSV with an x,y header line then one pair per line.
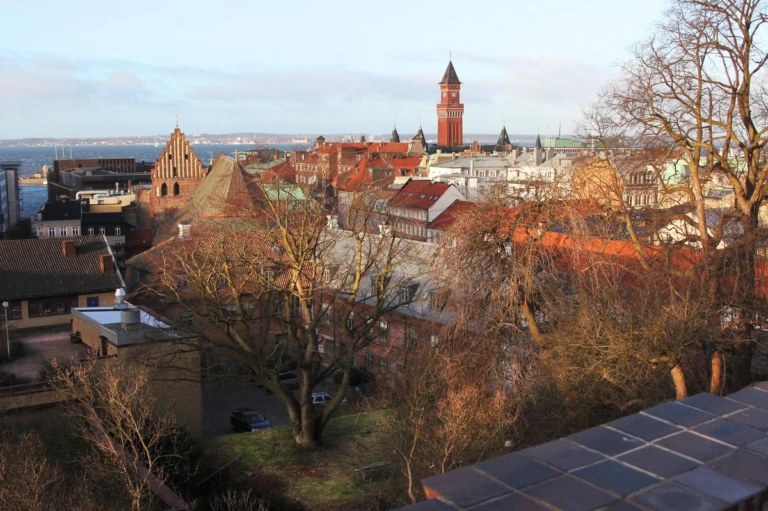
x,y
175,176
450,110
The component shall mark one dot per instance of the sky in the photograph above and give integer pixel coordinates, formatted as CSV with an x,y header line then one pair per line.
x,y
100,69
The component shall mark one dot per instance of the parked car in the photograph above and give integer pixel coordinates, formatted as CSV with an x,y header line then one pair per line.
x,y
248,419
320,398
289,379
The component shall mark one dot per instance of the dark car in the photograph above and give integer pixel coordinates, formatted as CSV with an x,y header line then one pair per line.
x,y
248,419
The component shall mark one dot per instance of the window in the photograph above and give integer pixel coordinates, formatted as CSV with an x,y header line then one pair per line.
x,y
413,338
170,156
14,310
102,231
90,231
436,301
163,190
39,232
186,318
117,231
51,232
433,340
405,295
175,174
351,320
383,330
51,306
176,188
327,275
75,230
62,231
186,156
331,348
391,366
369,361
326,314
382,365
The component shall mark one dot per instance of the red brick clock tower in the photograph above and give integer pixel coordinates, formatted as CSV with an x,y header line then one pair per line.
x,y
450,110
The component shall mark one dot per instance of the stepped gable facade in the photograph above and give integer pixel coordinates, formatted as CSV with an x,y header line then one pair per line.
x,y
175,177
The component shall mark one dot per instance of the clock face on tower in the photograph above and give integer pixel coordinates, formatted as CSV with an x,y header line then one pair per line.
x,y
453,94
444,94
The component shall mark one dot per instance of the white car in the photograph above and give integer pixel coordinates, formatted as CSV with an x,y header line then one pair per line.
x,y
320,398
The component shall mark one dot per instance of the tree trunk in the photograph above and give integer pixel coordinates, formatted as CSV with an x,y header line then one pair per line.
x,y
678,377
717,377
306,434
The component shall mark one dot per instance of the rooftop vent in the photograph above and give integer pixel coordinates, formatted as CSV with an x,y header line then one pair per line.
x,y
120,299
130,318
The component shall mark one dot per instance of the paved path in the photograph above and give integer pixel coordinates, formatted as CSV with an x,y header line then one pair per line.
x,y
41,345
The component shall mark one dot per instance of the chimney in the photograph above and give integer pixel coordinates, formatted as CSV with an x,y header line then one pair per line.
x,y
106,264
68,248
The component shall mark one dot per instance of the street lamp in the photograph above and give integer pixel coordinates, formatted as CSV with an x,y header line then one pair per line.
x,y
7,339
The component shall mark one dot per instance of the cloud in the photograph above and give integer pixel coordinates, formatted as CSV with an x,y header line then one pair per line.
x,y
125,80
312,86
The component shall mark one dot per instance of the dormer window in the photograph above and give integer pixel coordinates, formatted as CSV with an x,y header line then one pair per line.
x,y
422,196
327,275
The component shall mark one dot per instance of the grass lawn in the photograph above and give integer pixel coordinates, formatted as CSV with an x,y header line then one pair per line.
x,y
318,479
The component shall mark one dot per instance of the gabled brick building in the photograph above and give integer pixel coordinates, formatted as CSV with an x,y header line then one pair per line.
x,y
176,174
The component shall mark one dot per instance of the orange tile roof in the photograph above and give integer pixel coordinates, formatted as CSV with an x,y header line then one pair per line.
x,y
419,194
409,162
455,211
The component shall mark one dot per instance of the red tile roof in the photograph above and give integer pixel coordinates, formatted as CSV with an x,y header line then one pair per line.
x,y
447,218
410,162
419,194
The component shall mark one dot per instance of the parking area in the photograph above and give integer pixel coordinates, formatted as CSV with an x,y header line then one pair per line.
x,y
42,345
221,397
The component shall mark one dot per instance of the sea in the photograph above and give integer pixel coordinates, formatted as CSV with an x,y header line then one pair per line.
x,y
34,158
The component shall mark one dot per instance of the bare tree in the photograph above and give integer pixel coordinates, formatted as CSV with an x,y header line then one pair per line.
x,y
694,91
260,288
451,405
118,419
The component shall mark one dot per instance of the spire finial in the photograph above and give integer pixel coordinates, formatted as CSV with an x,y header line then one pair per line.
x,y
450,55
177,120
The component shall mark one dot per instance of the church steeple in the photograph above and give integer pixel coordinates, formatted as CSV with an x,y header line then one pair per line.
x,y
450,76
503,138
450,110
538,142
395,135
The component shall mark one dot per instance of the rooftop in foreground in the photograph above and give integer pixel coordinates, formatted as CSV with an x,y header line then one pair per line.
x,y
704,453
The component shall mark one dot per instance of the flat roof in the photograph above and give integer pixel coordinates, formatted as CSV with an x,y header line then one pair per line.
x,y
110,315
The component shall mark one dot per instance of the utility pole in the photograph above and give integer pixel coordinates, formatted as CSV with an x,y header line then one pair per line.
x,y
7,338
